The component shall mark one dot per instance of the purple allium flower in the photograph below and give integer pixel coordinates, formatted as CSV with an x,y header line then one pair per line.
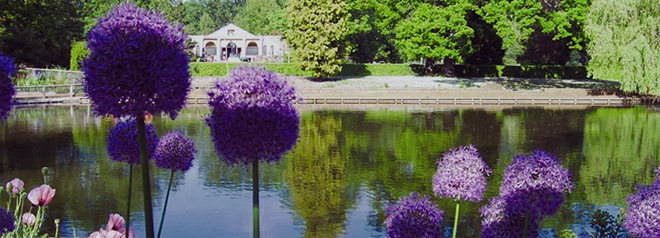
x,y
643,216
537,182
461,175
175,151
6,221
15,186
123,142
499,220
137,64
252,116
7,90
414,216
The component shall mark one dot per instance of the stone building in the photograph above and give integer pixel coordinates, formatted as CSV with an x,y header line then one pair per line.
x,y
232,43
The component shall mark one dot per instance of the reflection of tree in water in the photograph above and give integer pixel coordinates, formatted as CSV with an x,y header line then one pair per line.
x,y
622,149
317,178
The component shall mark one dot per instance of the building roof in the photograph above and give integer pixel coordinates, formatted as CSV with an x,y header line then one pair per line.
x,y
240,33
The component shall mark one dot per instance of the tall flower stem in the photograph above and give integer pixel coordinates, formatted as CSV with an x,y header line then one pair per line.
x,y
255,198
146,179
130,192
167,197
458,207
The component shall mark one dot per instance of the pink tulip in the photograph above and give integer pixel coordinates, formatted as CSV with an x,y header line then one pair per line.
x,y
42,195
16,186
28,219
115,222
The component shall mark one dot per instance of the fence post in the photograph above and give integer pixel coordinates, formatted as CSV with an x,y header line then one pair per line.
x,y
71,90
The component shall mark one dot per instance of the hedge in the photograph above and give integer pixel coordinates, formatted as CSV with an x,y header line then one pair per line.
x,y
361,70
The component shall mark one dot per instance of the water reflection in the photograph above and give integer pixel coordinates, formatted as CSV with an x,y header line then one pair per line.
x,y
346,167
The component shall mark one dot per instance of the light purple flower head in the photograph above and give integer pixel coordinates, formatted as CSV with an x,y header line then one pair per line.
x,y
6,221
643,216
414,216
536,182
123,142
137,64
7,90
175,151
461,175
15,186
252,116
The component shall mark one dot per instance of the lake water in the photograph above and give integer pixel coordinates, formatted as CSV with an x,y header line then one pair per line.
x,y
345,169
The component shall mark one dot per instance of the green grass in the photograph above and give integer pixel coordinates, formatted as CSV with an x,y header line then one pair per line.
x,y
220,69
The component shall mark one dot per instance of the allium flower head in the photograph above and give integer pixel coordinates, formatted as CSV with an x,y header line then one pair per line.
x,y
6,221
252,116
643,216
414,216
175,151
42,195
7,91
123,142
461,174
501,220
15,186
137,64
536,182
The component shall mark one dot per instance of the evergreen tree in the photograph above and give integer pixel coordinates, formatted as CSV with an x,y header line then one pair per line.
x,y
625,43
206,25
262,17
316,33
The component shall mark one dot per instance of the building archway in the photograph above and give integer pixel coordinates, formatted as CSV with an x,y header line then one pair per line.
x,y
232,50
252,49
210,49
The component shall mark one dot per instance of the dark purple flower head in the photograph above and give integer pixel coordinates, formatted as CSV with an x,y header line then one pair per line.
x,y
461,175
414,216
499,220
7,91
252,116
137,64
175,151
6,221
643,216
123,142
537,181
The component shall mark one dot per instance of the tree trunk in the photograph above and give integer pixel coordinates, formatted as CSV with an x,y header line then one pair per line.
x,y
448,68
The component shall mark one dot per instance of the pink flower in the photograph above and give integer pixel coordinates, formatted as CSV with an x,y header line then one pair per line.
x,y
42,195
28,219
115,222
114,229
106,234
15,185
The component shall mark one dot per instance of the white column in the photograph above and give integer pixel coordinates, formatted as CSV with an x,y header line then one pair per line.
x,y
218,50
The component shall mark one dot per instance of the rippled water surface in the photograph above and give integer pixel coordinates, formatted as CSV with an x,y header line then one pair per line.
x,y
346,167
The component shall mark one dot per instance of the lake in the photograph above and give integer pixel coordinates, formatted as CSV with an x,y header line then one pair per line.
x,y
346,167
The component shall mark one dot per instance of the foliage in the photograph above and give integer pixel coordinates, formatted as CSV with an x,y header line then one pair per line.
x,y
7,91
16,223
79,52
607,225
262,17
348,69
435,32
206,16
316,34
625,44
39,33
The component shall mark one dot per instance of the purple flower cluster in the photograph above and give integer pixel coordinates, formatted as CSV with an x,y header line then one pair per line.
x,y
137,64
123,142
643,216
6,221
461,174
175,151
533,187
7,90
414,216
252,116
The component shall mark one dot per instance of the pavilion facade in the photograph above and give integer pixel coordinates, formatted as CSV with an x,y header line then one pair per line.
x,y
232,43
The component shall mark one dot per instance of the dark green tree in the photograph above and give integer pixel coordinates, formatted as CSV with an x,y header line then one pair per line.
x,y
316,33
262,17
625,43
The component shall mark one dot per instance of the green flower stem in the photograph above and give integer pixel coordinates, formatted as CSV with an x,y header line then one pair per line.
x,y
146,179
57,228
526,227
255,198
128,203
167,197
458,207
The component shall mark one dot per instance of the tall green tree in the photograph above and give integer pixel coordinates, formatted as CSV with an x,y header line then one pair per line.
x,y
220,13
206,25
262,17
436,33
548,21
625,43
316,33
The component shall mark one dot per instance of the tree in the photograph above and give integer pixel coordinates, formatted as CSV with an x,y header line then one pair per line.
x,y
79,52
436,33
625,43
262,17
516,20
219,13
316,34
206,25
